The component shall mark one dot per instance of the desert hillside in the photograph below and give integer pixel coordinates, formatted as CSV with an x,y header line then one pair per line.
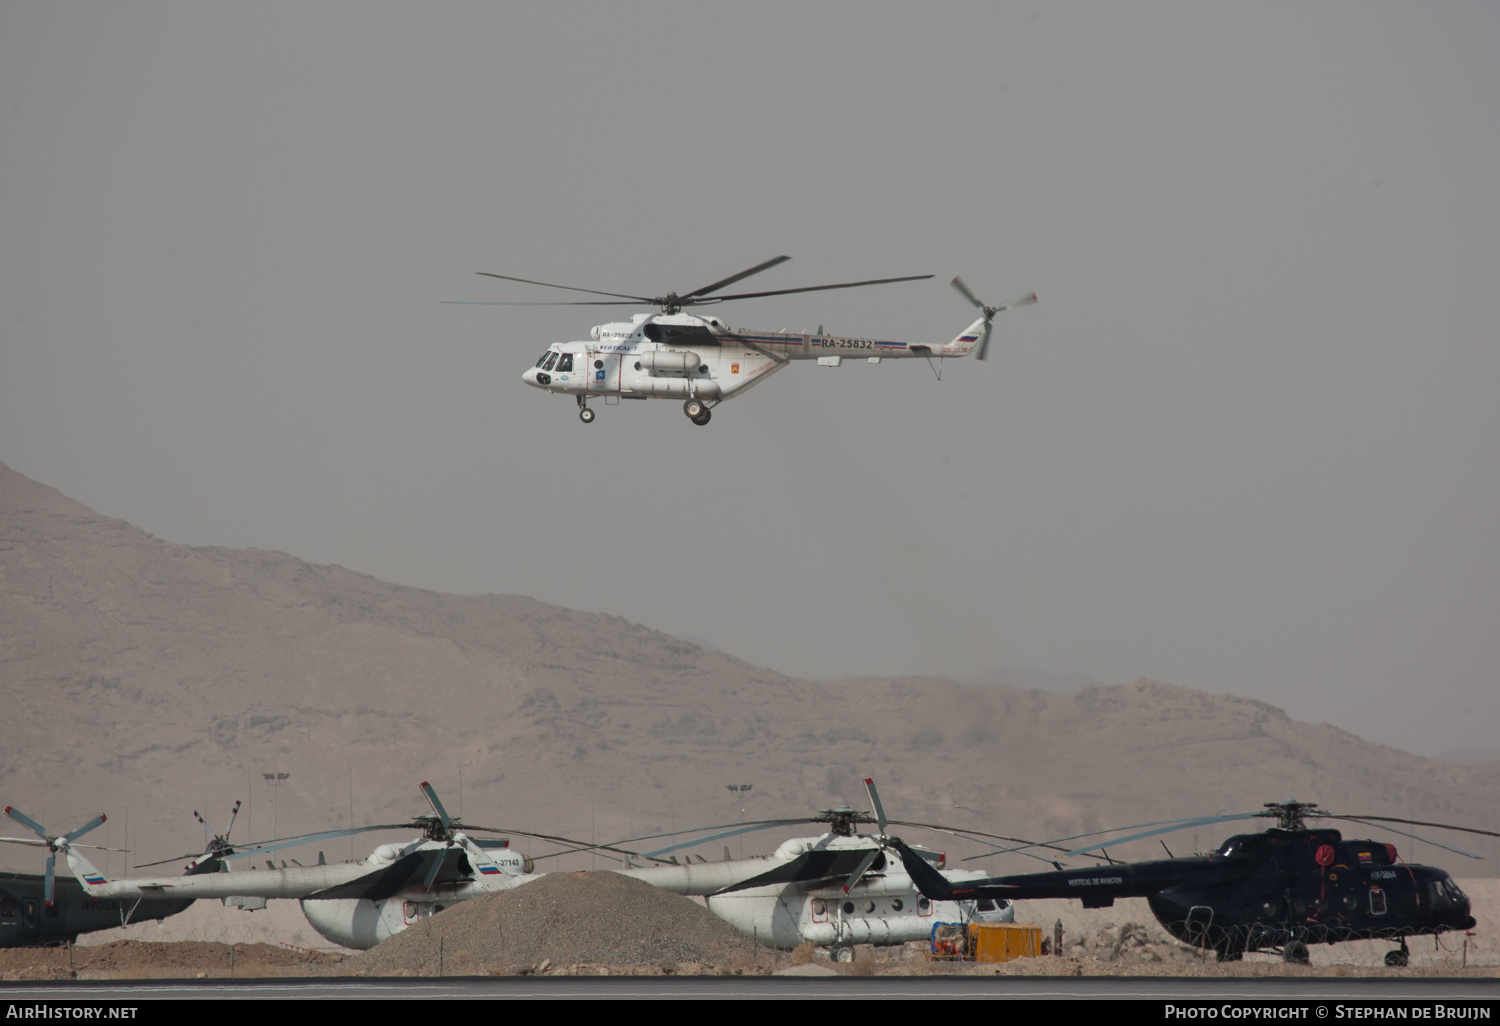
x,y
148,679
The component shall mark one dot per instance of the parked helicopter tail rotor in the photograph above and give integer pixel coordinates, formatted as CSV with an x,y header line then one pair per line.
x,y
53,843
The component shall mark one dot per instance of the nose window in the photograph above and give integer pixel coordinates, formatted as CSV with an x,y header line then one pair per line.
x,y
551,359
543,358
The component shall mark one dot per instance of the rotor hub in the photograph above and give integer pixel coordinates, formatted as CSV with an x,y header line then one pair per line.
x,y
1290,814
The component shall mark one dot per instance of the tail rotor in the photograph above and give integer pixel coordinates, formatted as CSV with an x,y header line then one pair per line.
x,y
52,842
989,313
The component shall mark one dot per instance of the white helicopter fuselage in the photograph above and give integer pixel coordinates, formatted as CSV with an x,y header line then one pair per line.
x,y
685,356
883,908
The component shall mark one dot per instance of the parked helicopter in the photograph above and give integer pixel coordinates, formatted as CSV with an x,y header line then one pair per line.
x,y
835,890
1284,889
38,909
704,362
356,904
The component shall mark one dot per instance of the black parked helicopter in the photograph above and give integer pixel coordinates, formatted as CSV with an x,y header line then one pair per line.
x,y
1282,889
38,909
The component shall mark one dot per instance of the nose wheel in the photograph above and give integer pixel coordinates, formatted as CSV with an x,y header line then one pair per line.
x,y
697,411
584,413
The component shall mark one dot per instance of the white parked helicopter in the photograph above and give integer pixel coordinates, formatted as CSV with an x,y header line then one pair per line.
x,y
835,890
356,904
701,359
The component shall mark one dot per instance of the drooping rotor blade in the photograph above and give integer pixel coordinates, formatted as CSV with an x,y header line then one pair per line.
x,y
1057,843
437,806
233,814
875,805
958,283
437,865
27,822
811,288
47,882
719,836
308,839
859,871
1396,819
1165,830
570,288
1416,837
829,864
32,841
91,824
716,286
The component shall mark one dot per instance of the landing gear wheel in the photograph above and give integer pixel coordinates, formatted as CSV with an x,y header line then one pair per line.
x,y
704,417
694,408
586,415
841,953
1399,959
1295,953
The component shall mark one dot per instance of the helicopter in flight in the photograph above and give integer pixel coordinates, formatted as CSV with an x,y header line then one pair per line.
x,y
1283,889
700,359
40,909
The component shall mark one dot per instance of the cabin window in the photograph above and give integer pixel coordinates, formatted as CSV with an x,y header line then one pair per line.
x,y
819,907
897,904
566,363
551,359
1377,901
8,909
848,908
1350,902
598,365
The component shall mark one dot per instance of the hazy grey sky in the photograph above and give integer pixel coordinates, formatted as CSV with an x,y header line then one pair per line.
x,y
1246,442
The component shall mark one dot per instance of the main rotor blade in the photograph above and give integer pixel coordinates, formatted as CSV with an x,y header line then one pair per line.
x,y
91,824
437,864
570,302
875,805
864,864
25,840
1165,830
1025,300
958,283
260,849
570,288
1396,819
715,837
811,288
47,881
437,806
233,814
1417,837
27,822
716,286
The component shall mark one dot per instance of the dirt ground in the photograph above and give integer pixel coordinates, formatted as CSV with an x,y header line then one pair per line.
x,y
603,924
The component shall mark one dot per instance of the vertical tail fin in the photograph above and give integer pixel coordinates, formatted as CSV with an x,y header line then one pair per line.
x,y
85,871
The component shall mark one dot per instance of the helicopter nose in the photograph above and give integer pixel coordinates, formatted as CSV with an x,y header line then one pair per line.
x,y
536,378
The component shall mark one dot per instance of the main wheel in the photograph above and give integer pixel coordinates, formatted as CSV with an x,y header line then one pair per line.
x,y
1398,959
586,415
843,953
704,417
1295,953
694,408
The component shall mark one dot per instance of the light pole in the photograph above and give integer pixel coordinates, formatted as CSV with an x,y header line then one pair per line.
x,y
741,794
274,779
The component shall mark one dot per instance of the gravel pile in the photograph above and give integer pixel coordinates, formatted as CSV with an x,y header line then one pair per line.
x,y
568,922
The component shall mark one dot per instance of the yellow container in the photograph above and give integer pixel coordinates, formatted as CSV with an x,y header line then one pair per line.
x,y
1001,942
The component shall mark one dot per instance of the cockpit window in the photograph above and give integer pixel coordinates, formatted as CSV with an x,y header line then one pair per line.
x,y
985,905
543,358
551,359
566,363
